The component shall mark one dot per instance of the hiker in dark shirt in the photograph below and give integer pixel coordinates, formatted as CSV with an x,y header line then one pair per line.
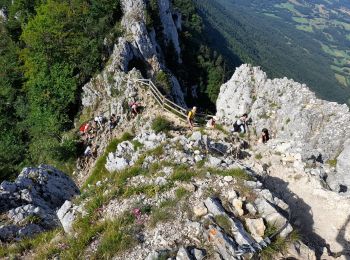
x,y
240,125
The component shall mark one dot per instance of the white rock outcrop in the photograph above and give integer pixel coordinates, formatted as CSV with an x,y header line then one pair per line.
x,y
29,204
67,214
314,128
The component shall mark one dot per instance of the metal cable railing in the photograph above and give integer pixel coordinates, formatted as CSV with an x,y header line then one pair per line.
x,y
167,104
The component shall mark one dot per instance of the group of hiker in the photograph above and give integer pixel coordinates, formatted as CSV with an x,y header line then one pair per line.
x,y
239,126
90,130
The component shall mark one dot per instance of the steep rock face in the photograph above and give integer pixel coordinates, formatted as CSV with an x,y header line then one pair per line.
x,y
170,29
29,204
110,91
138,42
314,128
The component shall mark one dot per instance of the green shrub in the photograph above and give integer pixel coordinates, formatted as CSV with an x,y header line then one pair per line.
x,y
258,156
161,124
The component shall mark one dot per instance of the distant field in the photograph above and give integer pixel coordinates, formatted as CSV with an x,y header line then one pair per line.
x,y
329,22
308,41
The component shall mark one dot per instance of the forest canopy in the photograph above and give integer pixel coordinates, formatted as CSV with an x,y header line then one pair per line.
x,y
48,49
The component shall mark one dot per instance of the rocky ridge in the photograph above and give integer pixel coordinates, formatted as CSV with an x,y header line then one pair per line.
x,y
225,209
138,43
306,162
313,128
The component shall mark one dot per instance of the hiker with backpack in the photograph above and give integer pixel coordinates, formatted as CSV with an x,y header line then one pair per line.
x,y
241,125
190,117
88,151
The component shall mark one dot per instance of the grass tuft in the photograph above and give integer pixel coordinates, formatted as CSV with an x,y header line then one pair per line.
x,y
332,163
182,173
161,124
181,193
116,237
40,242
258,156
221,129
137,145
224,222
163,213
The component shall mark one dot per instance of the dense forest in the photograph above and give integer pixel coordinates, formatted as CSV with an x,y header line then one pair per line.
x,y
242,30
50,48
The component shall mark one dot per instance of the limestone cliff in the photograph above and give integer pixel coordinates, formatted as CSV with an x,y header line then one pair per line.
x,y
137,43
312,127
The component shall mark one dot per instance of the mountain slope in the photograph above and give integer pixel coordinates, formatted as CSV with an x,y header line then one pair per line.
x,y
274,42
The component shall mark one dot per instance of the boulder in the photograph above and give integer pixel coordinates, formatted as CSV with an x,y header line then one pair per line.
x,y
237,207
30,202
241,237
200,210
116,163
299,250
214,161
67,214
251,208
224,244
256,228
150,140
198,254
196,137
153,256
269,212
228,178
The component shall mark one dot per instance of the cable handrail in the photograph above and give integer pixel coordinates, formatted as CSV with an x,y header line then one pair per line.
x,y
162,101
166,103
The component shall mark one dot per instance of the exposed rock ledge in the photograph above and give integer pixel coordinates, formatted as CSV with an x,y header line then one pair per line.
x,y
28,205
